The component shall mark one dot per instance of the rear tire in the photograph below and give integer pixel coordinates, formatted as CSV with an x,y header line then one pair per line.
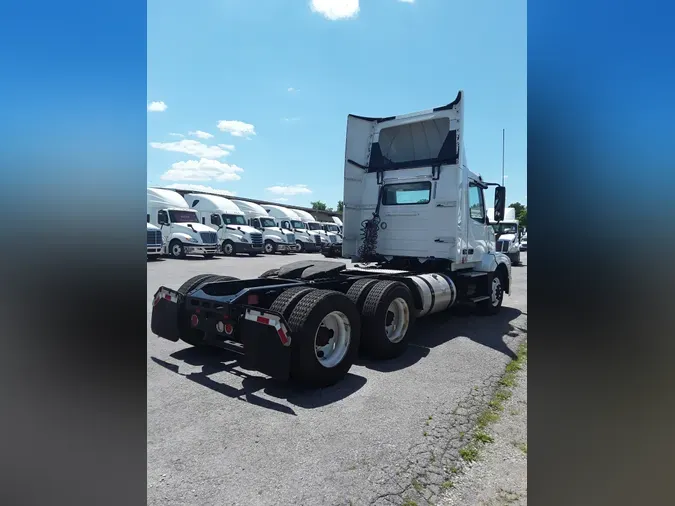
x,y
388,316
187,334
287,300
358,292
325,327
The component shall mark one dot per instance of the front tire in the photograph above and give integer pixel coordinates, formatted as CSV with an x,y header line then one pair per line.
x,y
176,249
388,315
270,248
326,330
228,248
493,305
301,246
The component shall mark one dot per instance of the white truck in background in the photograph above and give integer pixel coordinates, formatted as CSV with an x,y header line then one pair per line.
x,y
507,234
339,223
234,234
275,239
155,242
182,232
306,240
313,225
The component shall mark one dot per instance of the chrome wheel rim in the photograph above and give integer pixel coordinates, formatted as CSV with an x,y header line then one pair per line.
x,y
332,338
269,248
228,249
397,320
176,250
497,292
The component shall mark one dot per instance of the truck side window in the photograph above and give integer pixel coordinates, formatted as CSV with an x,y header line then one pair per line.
x,y
162,217
406,193
255,223
476,204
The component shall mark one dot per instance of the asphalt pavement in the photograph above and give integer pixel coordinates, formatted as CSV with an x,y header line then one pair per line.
x,y
387,434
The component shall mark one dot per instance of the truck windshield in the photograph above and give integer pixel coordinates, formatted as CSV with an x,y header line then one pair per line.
x,y
505,228
333,228
297,224
233,219
267,222
183,217
313,225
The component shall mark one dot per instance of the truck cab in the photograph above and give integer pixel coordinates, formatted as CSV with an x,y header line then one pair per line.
x,y
408,178
507,234
275,238
234,233
182,232
155,241
313,226
332,231
288,219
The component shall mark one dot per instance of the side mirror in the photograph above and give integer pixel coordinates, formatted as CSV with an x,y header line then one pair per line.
x,y
500,203
215,220
162,219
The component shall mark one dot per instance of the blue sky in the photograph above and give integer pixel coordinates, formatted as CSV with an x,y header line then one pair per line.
x,y
252,96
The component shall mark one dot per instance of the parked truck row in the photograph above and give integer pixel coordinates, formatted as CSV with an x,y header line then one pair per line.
x,y
203,224
417,230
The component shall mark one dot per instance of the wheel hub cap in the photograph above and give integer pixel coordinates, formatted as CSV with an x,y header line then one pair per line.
x,y
397,320
332,338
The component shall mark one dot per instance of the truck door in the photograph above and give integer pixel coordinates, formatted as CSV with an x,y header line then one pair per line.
x,y
477,228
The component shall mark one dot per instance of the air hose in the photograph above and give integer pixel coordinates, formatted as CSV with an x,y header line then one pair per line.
x,y
369,230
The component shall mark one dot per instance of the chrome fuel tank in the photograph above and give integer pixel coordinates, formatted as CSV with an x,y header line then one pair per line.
x,y
437,291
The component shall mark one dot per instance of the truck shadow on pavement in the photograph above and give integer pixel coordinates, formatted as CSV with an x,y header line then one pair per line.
x,y
440,328
215,361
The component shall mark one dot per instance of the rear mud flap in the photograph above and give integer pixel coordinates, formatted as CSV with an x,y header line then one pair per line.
x,y
263,350
164,322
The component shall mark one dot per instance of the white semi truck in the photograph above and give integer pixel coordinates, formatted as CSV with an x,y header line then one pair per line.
x,y
414,218
182,232
234,234
339,223
155,241
275,239
313,226
507,235
306,240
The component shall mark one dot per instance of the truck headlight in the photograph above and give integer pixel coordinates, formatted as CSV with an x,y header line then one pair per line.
x,y
243,239
192,239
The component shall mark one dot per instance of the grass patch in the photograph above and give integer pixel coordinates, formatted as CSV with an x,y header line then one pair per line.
x,y
447,485
469,454
417,485
483,437
409,502
454,470
522,447
425,433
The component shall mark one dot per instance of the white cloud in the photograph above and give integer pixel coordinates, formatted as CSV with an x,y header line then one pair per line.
x,y
290,120
157,107
292,90
202,170
281,200
201,134
174,134
190,147
407,1
199,188
236,128
295,189
227,147
335,9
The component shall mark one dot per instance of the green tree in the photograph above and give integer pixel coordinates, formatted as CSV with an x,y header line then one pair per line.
x,y
340,206
320,206
518,207
522,219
